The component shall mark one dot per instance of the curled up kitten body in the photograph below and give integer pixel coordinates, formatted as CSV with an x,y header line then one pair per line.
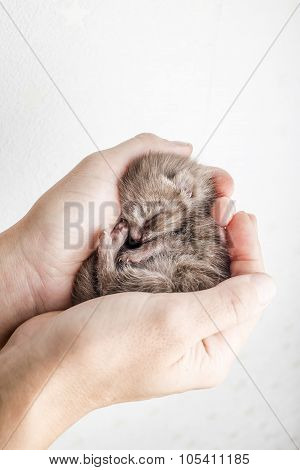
x,y
165,239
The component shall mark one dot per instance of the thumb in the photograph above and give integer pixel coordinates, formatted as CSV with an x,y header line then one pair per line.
x,y
230,303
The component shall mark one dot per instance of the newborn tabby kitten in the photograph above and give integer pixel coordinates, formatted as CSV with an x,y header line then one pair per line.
x,y
165,239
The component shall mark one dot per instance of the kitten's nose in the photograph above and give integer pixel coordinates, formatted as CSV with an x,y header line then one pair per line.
x,y
136,234
134,237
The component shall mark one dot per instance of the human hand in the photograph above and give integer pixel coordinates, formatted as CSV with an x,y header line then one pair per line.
x,y
129,346
39,269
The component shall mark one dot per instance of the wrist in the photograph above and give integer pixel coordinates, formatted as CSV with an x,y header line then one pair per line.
x,y
19,282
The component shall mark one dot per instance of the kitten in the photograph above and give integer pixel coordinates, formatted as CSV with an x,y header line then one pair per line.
x,y
165,239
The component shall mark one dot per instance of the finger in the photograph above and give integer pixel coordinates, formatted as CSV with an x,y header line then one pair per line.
x,y
229,304
123,153
246,258
221,324
224,183
243,244
150,142
229,342
223,210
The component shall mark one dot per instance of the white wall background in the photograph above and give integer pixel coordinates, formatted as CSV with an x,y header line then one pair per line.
x,y
171,67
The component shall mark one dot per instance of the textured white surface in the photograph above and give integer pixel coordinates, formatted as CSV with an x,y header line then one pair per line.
x,y
172,68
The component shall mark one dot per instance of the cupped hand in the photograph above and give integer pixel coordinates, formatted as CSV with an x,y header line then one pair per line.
x,y
135,346
89,193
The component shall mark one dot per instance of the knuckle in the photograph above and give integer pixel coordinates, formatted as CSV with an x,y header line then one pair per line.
x,y
90,161
146,135
147,138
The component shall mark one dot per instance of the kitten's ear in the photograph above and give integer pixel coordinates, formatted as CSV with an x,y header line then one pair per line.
x,y
184,182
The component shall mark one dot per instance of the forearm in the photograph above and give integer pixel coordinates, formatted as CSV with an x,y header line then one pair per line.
x,y
37,399
17,283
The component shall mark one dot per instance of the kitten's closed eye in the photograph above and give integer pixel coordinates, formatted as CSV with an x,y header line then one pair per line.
x,y
150,223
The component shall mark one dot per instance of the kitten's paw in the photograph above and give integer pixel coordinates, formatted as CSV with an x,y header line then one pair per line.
x,y
111,242
119,234
114,239
105,240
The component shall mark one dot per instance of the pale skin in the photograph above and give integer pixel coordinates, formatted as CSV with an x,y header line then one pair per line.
x,y
62,362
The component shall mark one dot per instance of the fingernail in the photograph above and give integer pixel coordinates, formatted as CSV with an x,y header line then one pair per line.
x,y
265,288
229,212
223,210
